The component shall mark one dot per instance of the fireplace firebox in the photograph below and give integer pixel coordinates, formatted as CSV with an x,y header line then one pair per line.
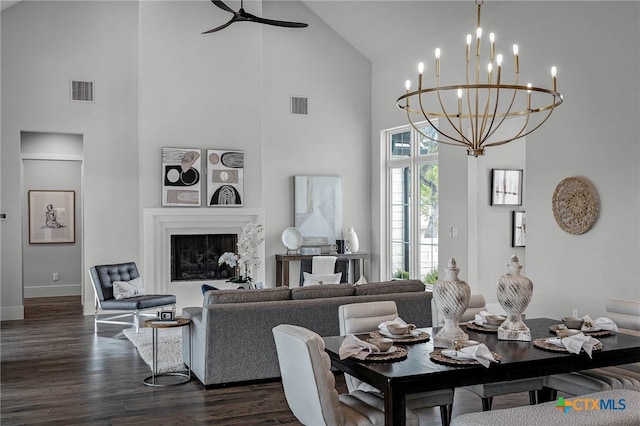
x,y
195,257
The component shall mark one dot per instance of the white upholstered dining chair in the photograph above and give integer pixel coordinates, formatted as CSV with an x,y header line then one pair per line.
x,y
626,314
309,384
359,318
486,391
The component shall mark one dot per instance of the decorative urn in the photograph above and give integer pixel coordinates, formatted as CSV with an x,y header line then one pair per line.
x,y
514,294
451,296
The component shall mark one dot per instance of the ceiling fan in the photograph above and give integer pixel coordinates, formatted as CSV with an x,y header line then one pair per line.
x,y
241,16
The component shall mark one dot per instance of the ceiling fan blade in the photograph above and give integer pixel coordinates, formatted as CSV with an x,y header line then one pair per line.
x,y
288,24
223,6
221,27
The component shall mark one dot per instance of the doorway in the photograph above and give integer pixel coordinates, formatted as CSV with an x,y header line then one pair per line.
x,y
51,163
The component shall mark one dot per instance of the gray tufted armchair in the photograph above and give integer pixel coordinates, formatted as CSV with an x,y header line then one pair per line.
x,y
103,276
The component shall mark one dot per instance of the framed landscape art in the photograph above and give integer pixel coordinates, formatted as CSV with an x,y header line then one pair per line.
x,y
181,181
52,217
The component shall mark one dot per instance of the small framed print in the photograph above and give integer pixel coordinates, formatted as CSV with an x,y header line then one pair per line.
x,y
506,187
166,316
519,232
52,217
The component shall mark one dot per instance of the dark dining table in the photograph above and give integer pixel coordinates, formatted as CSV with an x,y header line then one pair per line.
x,y
519,360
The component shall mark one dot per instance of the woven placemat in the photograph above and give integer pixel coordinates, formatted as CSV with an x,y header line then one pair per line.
x,y
399,354
422,337
438,357
596,333
575,205
480,329
542,344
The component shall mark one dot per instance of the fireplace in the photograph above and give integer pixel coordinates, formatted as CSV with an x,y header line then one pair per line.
x,y
161,223
195,257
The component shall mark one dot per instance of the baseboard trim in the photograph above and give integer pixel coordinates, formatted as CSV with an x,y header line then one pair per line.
x,y
53,290
8,313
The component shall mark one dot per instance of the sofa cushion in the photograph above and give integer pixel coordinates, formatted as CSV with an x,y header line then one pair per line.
x,y
388,287
243,296
322,291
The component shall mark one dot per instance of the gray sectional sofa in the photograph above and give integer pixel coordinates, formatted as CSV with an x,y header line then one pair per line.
x,y
231,336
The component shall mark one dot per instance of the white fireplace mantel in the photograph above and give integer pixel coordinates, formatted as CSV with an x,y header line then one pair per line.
x,y
160,223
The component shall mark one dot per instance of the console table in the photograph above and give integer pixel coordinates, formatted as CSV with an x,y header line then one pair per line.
x,y
356,260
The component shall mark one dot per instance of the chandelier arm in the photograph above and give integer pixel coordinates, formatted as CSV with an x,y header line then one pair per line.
x,y
550,111
473,133
434,128
485,118
504,116
464,139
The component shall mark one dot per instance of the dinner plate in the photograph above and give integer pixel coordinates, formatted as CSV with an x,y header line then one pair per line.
x,y
292,238
391,350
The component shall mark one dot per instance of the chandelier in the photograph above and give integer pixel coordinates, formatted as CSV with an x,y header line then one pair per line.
x,y
476,109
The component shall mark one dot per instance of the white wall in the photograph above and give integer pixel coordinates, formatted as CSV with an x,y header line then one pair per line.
x,y
594,134
332,140
490,248
161,83
44,46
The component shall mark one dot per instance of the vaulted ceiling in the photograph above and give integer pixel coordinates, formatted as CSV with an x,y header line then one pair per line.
x,y
378,27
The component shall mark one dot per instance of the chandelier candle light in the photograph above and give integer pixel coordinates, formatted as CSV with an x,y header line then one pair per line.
x,y
479,107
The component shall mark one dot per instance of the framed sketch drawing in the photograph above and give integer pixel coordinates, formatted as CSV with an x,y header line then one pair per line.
x,y
519,232
52,217
506,187
225,178
181,180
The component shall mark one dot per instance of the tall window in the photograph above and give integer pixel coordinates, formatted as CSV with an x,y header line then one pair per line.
x,y
412,199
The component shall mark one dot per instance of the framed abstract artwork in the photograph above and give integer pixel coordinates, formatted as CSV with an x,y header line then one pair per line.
x,y
318,209
519,232
225,178
181,181
52,217
506,187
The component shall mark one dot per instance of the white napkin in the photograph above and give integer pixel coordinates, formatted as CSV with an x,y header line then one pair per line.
x,y
357,348
481,318
601,323
385,331
575,343
480,353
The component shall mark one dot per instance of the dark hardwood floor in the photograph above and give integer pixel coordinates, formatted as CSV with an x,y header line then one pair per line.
x,y
55,370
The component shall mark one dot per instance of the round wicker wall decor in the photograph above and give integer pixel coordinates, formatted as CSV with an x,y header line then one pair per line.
x,y
575,205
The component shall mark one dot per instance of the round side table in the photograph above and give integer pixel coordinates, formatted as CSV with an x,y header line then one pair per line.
x,y
161,379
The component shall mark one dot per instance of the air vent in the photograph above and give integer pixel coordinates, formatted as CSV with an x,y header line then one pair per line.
x,y
82,91
299,105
